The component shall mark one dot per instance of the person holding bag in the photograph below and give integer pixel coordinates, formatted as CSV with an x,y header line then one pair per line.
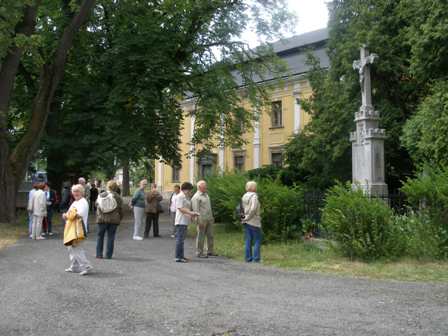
x,y
74,232
109,207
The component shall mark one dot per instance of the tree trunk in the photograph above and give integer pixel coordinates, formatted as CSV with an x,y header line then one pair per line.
x,y
17,161
126,190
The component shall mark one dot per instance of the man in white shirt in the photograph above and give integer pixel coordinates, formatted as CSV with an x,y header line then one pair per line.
x,y
184,214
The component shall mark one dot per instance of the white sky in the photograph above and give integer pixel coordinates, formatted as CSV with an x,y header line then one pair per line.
x,y
311,15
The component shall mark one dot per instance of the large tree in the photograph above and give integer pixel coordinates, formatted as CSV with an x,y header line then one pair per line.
x,y
18,33
128,71
138,61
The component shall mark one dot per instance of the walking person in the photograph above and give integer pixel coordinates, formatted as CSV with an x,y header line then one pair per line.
x,y
172,208
38,208
153,209
138,206
202,205
184,214
252,223
109,216
50,195
66,200
77,213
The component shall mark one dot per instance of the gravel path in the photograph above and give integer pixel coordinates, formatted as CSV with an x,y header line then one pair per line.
x,y
142,291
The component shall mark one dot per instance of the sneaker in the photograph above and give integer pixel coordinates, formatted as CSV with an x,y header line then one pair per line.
x,y
99,257
69,270
50,233
86,271
40,238
201,255
182,260
212,254
137,238
173,236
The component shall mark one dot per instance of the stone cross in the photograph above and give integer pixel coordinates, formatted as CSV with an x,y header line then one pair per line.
x,y
362,65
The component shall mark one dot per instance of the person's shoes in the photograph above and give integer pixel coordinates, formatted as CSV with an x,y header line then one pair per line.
x,y
158,236
107,257
86,271
212,254
99,257
249,260
137,238
182,260
201,255
173,236
40,238
69,270
31,236
50,233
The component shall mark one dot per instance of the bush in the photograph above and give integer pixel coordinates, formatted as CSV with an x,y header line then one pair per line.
x,y
415,235
429,194
281,207
362,226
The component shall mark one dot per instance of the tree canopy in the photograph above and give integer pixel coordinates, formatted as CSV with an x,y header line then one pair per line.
x,y
410,39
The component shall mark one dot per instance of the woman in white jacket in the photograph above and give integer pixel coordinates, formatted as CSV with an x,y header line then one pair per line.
x,y
252,222
37,206
78,260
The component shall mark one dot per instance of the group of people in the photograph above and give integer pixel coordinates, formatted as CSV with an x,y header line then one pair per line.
x,y
186,208
41,203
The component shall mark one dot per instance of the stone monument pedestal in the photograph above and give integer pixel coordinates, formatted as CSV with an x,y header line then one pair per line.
x,y
368,139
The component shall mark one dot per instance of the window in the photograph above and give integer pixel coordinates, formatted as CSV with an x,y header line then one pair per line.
x,y
175,177
238,161
277,159
276,114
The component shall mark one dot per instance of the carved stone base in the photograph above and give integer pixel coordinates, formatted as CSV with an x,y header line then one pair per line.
x,y
374,189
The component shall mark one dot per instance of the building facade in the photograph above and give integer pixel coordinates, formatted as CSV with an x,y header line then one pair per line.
x,y
280,120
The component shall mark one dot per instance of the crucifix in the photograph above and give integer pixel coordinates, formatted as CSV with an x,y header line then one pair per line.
x,y
363,67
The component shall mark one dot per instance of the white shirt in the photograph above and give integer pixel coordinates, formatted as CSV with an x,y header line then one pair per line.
x,y
38,203
182,202
173,203
82,208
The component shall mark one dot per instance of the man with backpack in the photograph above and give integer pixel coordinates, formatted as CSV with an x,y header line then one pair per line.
x,y
109,215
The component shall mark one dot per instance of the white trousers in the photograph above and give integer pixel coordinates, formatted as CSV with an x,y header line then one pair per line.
x,y
36,226
139,220
78,259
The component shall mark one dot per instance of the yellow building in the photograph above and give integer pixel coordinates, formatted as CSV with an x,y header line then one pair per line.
x,y
264,143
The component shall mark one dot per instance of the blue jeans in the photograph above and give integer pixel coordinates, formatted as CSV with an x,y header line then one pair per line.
x,y
111,229
252,237
181,233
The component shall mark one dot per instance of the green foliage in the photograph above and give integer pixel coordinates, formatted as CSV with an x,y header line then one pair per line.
x,y
417,236
361,226
429,193
425,134
282,208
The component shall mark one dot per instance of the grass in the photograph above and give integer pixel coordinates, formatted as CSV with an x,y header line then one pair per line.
x,y
296,255
10,233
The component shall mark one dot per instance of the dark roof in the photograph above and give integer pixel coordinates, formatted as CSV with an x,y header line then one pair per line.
x,y
300,41
294,51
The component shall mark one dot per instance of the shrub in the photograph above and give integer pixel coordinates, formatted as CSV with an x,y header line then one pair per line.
x,y
415,235
362,226
429,194
281,207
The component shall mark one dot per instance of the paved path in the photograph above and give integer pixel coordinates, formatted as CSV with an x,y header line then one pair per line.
x,y
144,292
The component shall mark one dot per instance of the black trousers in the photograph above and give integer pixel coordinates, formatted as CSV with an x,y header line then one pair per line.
x,y
152,219
111,230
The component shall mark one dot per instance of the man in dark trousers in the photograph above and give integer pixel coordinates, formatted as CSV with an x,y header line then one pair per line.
x,y
153,208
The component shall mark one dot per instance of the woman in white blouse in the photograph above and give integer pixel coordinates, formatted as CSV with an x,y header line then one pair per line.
x,y
78,260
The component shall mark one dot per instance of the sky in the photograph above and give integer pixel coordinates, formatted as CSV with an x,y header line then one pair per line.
x,y
311,15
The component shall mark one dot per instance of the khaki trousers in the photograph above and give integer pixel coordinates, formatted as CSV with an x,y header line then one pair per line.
x,y
205,230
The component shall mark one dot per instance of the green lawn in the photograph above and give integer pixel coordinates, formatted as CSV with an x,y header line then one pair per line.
x,y
296,255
